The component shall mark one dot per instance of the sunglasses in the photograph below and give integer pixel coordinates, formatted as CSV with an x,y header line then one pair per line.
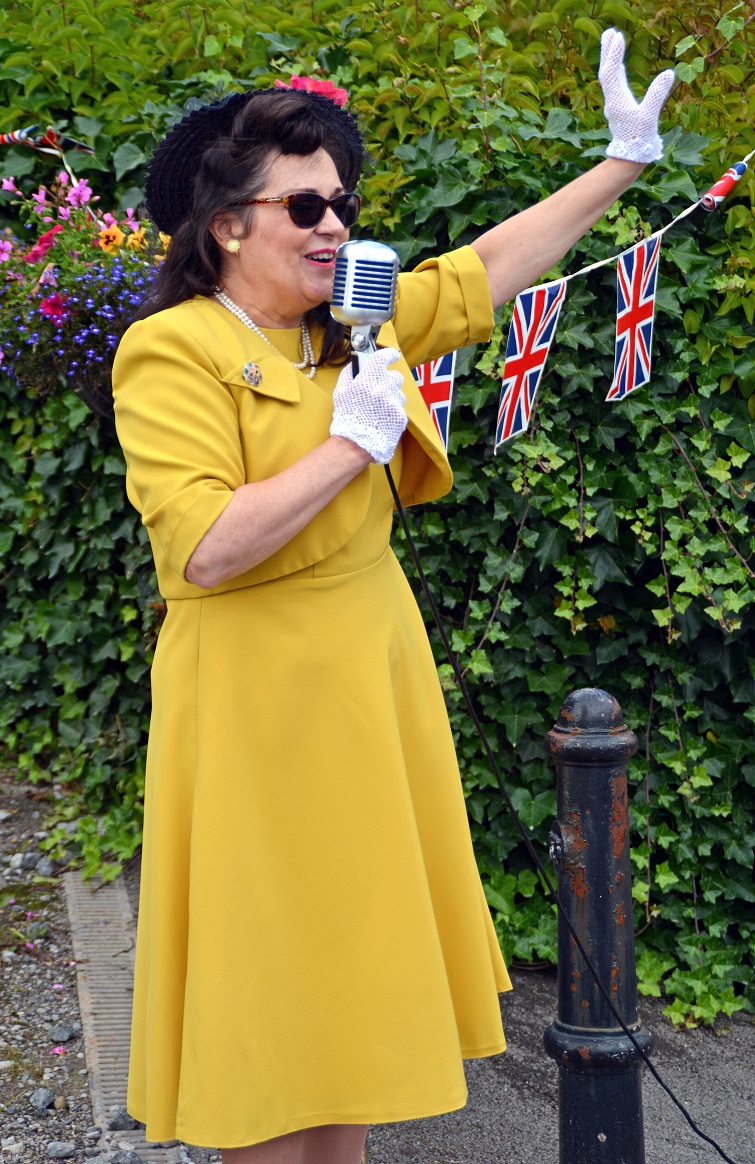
x,y
307,210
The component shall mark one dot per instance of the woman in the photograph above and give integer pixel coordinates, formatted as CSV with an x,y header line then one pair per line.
x,y
314,950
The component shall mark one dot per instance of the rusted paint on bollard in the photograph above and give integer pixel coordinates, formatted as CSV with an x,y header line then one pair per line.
x,y
600,1108
620,817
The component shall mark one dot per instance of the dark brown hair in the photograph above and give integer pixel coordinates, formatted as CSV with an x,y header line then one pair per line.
x,y
235,167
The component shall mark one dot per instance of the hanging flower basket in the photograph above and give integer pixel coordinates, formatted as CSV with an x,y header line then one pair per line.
x,y
68,291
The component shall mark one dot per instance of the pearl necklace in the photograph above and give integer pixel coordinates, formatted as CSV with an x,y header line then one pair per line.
x,y
306,340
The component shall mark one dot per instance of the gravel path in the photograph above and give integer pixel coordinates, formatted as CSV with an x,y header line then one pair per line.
x,y
44,1095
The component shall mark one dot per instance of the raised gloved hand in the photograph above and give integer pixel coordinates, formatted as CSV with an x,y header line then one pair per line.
x,y
634,125
368,409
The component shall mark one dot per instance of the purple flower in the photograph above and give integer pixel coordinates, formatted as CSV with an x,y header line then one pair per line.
x,y
5,250
10,184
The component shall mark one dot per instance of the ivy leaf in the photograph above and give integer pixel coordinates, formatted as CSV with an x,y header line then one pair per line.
x,y
684,148
743,431
516,721
558,125
552,679
605,565
127,157
533,810
551,544
664,876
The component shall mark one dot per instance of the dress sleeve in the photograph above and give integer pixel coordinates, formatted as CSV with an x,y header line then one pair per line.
x,y
443,305
179,429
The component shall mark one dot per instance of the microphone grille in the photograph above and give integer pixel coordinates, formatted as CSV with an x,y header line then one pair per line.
x,y
364,283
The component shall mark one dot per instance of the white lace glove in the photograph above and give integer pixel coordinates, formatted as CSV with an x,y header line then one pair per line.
x,y
634,126
368,409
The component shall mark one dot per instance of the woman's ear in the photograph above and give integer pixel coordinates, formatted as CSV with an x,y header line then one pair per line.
x,y
225,228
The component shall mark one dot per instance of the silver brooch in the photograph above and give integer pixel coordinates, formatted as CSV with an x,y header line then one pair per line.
x,y
252,374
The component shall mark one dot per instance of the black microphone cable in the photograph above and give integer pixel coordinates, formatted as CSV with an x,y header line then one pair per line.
x,y
522,830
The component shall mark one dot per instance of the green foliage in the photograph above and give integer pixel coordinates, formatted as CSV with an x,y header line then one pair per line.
x,y
80,614
612,546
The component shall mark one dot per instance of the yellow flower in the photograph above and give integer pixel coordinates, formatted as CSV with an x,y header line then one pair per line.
x,y
111,238
137,241
164,240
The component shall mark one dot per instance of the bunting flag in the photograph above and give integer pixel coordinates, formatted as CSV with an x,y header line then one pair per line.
x,y
713,198
49,142
435,379
635,297
533,326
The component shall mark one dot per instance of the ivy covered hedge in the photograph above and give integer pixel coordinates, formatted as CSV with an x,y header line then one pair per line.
x,y
613,546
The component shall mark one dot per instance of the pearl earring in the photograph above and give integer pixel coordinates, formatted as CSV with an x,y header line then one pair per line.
x,y
233,245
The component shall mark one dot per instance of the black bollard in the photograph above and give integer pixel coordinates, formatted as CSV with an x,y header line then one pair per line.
x,y
600,1096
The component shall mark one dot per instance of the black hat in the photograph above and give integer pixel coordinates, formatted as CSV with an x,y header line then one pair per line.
x,y
176,161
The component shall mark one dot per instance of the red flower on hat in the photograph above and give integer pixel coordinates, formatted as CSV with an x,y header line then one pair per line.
x,y
315,85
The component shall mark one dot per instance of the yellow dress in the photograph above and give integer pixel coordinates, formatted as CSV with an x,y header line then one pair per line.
x,y
313,945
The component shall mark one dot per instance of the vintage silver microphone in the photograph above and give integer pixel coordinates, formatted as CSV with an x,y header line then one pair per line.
x,y
364,293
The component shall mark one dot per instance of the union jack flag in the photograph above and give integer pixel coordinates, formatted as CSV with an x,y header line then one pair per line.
x,y
533,326
436,383
719,190
636,284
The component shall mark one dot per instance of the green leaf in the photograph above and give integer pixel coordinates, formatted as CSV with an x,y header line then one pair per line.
x,y
498,37
127,157
682,45
533,810
689,70
551,544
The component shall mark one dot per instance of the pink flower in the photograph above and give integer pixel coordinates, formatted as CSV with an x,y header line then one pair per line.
x,y
5,250
58,1051
65,213
2,357
315,85
109,219
130,221
42,245
40,198
79,194
63,178
10,184
54,307
58,986
30,945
